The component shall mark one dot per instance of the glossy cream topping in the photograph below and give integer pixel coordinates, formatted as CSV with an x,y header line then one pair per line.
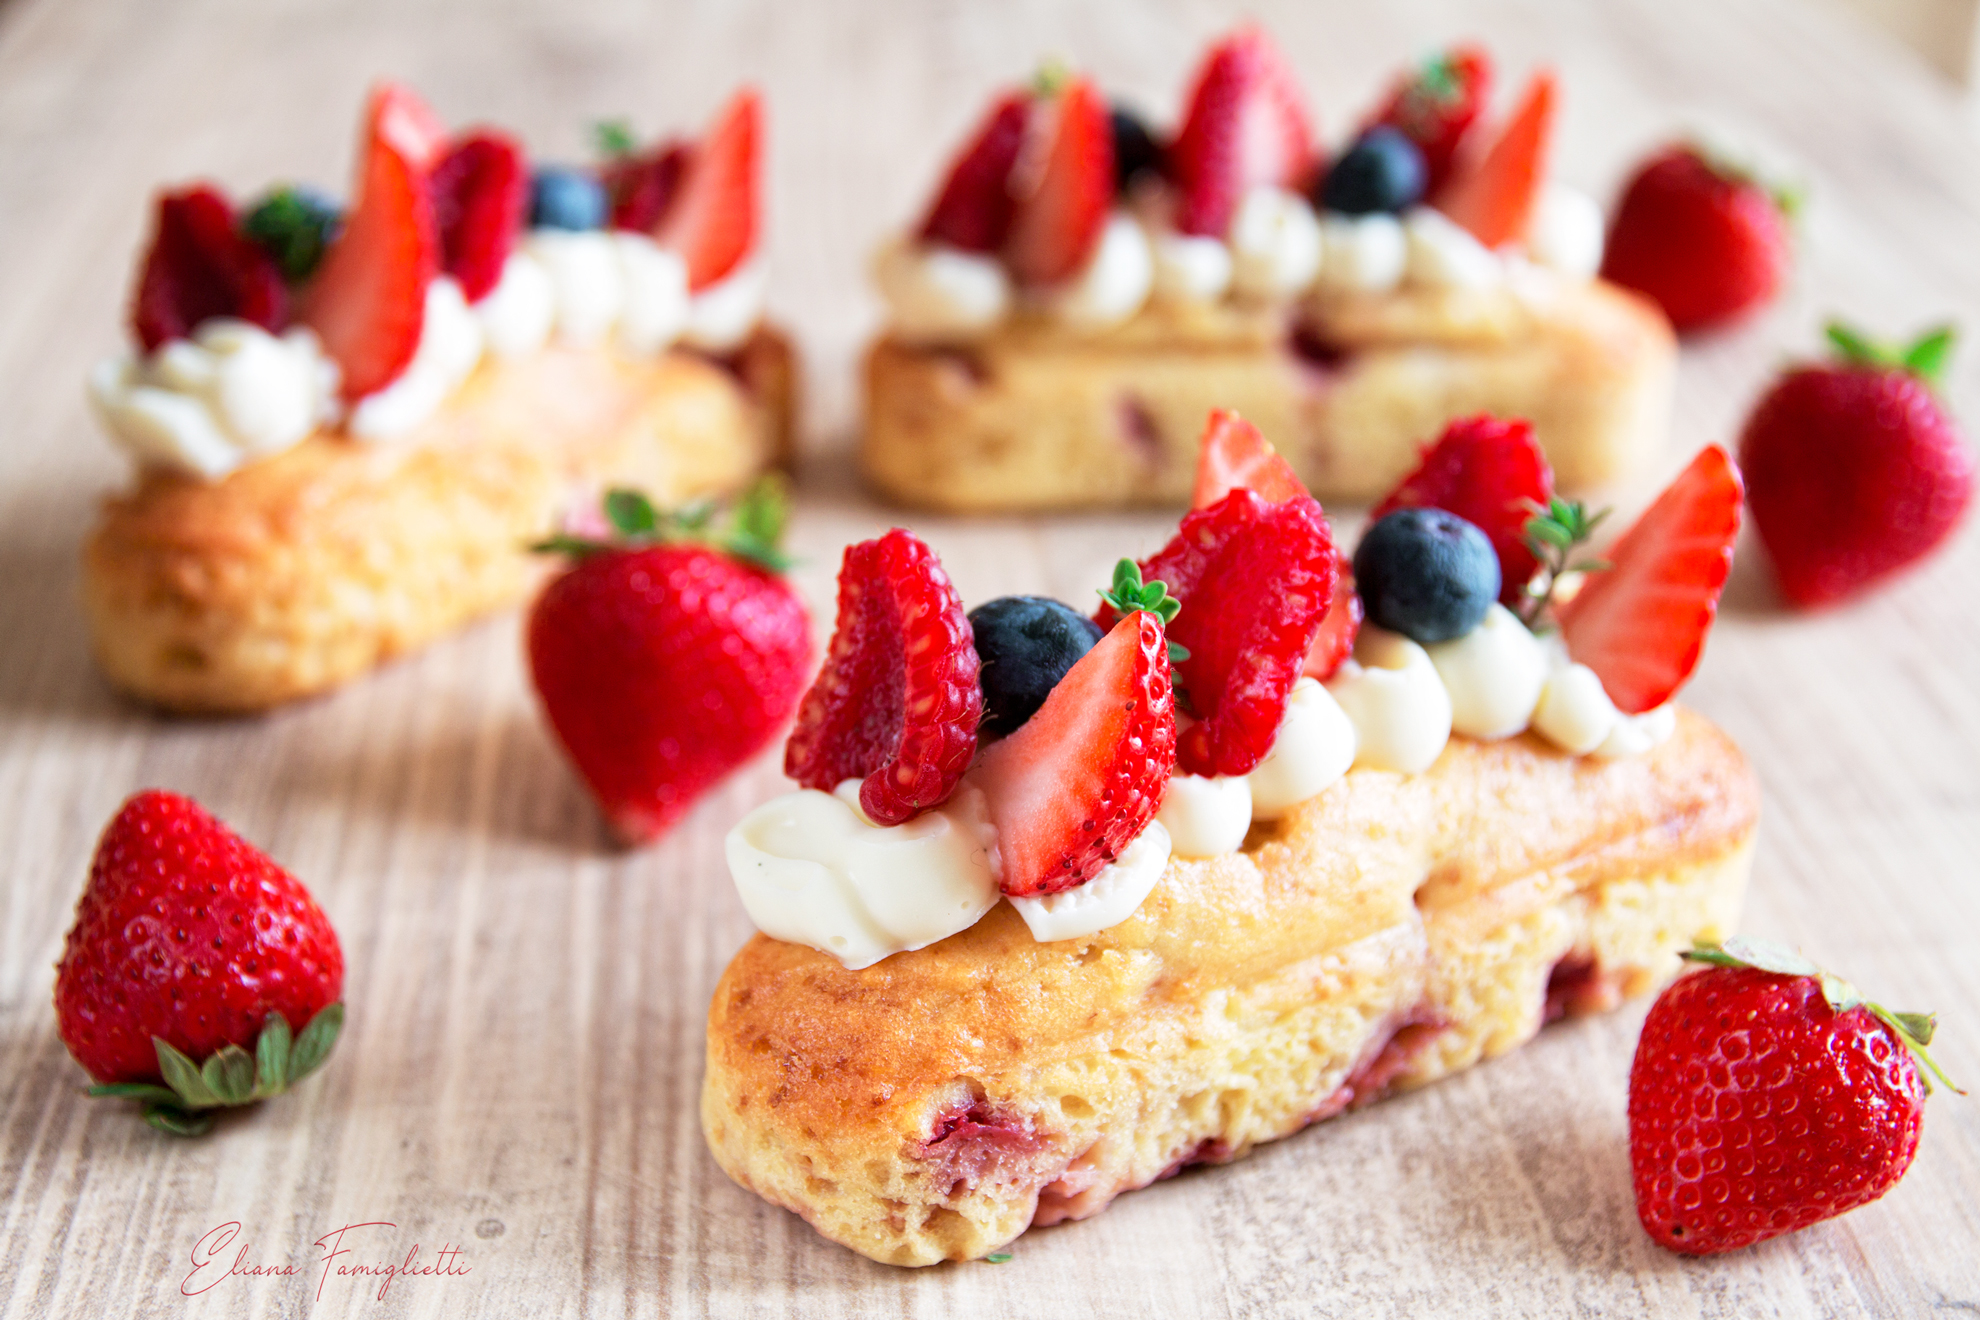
x,y
1315,747
1190,268
518,314
1206,816
1493,675
1567,232
812,869
1275,244
1574,713
723,315
206,405
1115,281
1108,899
1368,253
1443,253
1392,694
938,292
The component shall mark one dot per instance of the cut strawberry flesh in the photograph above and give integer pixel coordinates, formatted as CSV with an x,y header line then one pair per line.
x,y
1335,640
400,118
1081,779
480,190
643,187
1489,472
1061,210
367,302
973,210
1494,197
1641,624
1245,126
1232,454
898,701
200,266
712,222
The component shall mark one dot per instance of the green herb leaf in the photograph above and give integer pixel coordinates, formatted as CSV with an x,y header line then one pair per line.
x,y
1552,534
1129,593
314,1044
614,137
631,514
271,1056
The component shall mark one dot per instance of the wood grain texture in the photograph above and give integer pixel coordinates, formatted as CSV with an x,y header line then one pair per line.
x,y
520,1071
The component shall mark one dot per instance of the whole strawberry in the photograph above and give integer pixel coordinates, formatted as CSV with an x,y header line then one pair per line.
x,y
1702,239
1854,469
190,949
1766,1095
667,659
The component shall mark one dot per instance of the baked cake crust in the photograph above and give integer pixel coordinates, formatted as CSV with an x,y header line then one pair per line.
x,y
1389,931
301,571
1036,416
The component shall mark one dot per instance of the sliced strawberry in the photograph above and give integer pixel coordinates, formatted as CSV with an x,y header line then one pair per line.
x,y
1335,640
1435,104
1081,779
1234,453
1488,471
480,190
200,266
1641,624
367,301
1061,207
713,219
1494,195
1246,125
898,701
641,187
398,116
973,210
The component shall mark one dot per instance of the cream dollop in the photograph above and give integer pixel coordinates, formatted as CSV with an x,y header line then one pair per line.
x,y
1493,675
1116,279
1574,713
206,405
1206,816
812,869
1391,691
1443,253
934,291
1275,244
1363,252
517,314
655,309
449,347
585,277
1108,899
1190,268
1633,735
1566,233
723,315
1315,747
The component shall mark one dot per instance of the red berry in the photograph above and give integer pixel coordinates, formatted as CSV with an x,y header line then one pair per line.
x,y
1234,453
1854,472
642,187
1641,624
367,301
1489,472
1704,242
663,669
1246,126
480,191
189,933
1436,104
1061,207
1342,624
714,217
1081,779
200,266
973,210
1494,195
898,701
1756,1109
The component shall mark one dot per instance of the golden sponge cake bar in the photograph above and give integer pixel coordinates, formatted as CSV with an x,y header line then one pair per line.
x,y
299,572
1040,416
1385,933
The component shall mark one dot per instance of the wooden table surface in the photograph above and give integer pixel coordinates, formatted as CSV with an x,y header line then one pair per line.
x,y
519,1076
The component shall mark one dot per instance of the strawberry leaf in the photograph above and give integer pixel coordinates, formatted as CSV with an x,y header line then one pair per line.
x,y
313,1046
179,1122
1927,356
229,1074
135,1091
614,138
631,513
271,1056
184,1077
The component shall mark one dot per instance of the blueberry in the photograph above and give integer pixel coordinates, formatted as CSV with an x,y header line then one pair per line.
x,y
1136,152
561,198
1382,171
1026,644
293,225
1426,574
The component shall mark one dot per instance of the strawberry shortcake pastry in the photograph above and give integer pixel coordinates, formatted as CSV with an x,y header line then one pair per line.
x,y
1067,901
348,422
1081,292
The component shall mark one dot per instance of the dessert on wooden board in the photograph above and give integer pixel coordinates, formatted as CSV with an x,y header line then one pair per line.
x,y
1080,293
348,426
1275,841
